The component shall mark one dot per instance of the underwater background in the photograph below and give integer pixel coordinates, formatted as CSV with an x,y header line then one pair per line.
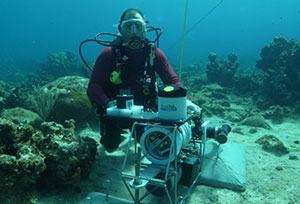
x,y
31,29
241,65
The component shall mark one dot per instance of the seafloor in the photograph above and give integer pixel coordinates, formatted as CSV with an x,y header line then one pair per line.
x,y
272,178
260,103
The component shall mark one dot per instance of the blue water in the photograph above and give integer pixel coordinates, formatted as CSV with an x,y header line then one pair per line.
x,y
32,28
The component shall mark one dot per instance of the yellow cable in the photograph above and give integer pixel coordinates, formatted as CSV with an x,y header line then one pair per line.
x,y
182,40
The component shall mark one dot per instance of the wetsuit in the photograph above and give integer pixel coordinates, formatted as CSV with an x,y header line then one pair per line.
x,y
100,89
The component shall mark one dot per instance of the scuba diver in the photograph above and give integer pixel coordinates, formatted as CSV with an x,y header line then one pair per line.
x,y
130,62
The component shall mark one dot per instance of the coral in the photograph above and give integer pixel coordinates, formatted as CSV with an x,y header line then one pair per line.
x,y
215,100
212,57
4,87
293,157
21,164
20,115
59,64
248,83
74,103
12,136
62,99
50,155
12,70
276,113
193,75
280,61
222,71
272,144
68,157
256,121
280,52
43,100
11,97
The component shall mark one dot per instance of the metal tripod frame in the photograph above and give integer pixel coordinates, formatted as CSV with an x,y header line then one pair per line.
x,y
139,181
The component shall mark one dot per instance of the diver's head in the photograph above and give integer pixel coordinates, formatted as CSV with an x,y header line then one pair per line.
x,y
133,28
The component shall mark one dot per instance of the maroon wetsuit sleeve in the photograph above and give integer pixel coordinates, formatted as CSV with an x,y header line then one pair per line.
x,y
164,69
101,72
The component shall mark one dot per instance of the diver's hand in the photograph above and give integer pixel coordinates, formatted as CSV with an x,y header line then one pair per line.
x,y
193,108
110,103
101,109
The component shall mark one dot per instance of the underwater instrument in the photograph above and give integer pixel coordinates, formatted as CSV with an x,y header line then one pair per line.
x,y
172,103
172,153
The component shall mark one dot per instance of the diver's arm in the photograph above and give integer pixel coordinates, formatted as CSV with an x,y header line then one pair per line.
x,y
168,76
100,74
164,69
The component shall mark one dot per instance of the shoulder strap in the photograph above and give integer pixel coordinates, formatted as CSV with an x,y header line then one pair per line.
x,y
150,60
118,50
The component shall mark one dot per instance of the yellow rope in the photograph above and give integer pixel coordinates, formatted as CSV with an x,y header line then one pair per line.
x,y
182,40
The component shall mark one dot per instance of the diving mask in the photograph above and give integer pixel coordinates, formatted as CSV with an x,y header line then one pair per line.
x,y
134,27
133,32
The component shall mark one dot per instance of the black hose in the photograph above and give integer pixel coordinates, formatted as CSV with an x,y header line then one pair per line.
x,y
106,43
80,53
156,30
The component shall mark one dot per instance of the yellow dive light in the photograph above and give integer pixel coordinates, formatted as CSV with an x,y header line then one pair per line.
x,y
169,88
115,78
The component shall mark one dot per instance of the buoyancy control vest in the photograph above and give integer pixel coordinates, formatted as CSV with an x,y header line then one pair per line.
x,y
146,77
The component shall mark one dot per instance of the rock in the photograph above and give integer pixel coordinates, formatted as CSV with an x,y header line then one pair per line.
x,y
256,121
237,115
68,157
212,57
272,144
247,83
20,115
217,109
63,99
275,113
238,130
218,96
253,130
280,63
225,104
59,64
21,163
222,71
13,136
3,94
51,155
293,157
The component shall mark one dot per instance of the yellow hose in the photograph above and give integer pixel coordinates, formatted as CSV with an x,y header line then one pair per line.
x,y
182,39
